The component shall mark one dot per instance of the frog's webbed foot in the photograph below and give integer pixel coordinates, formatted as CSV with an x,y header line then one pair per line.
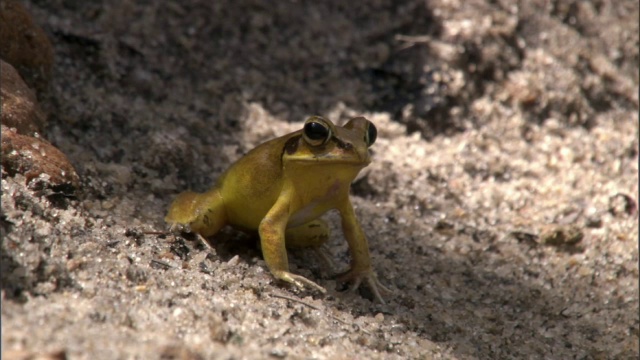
x,y
357,277
298,280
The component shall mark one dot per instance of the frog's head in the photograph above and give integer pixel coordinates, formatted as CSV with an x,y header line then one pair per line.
x,y
320,141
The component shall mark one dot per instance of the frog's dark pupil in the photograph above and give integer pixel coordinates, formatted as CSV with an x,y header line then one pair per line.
x,y
316,131
372,134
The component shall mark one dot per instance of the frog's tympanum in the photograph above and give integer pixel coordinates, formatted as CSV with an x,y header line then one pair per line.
x,y
282,187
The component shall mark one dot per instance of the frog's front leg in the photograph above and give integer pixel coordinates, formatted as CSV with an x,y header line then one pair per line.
x,y
359,248
272,231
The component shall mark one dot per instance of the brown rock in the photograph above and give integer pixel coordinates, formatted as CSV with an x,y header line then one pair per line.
x,y
20,108
25,45
562,236
35,157
30,355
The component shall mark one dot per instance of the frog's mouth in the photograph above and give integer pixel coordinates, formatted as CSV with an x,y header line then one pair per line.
x,y
348,156
328,160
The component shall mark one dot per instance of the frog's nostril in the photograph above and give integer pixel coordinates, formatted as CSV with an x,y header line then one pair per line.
x,y
345,145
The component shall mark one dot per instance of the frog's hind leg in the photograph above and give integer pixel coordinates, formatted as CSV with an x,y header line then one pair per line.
x,y
204,213
312,235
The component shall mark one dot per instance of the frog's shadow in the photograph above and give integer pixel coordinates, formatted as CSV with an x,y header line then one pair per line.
x,y
230,243
226,244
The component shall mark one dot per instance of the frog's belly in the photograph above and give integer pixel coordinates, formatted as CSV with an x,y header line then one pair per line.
x,y
309,212
250,220
318,201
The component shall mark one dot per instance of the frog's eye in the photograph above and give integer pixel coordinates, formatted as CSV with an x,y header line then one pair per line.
x,y
371,134
316,132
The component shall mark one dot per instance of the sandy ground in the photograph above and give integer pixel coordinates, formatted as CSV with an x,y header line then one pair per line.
x,y
501,205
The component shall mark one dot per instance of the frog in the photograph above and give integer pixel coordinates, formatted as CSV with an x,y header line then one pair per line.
x,y
281,188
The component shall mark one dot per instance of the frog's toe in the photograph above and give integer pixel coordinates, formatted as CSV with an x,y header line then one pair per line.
x,y
376,287
299,281
356,279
